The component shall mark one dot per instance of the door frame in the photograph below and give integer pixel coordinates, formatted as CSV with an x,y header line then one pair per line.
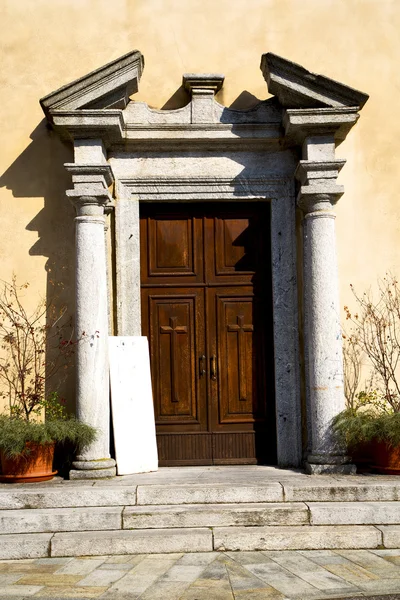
x,y
280,192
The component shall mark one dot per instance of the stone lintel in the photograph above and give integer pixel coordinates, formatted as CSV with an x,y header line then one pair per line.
x,y
304,122
114,132
203,82
296,87
107,87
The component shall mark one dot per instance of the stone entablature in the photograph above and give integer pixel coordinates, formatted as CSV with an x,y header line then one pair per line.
x,y
207,152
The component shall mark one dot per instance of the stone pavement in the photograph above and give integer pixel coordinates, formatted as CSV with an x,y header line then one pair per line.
x,y
286,575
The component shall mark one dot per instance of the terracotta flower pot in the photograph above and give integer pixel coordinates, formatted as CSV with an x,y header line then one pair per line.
x,y
362,456
386,459
29,468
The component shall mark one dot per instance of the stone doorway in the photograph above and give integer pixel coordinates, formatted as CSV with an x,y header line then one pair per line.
x,y
281,151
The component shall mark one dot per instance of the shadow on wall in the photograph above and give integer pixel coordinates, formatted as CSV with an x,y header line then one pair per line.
x,y
181,98
38,172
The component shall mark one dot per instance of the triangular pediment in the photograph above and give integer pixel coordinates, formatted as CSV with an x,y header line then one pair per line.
x,y
107,87
296,87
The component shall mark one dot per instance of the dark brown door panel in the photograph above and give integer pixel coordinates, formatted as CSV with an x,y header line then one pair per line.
x,y
206,309
176,337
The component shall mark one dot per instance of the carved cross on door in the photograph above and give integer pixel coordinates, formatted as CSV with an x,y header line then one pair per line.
x,y
240,328
173,330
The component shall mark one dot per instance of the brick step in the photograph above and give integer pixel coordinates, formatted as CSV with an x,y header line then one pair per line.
x,y
154,541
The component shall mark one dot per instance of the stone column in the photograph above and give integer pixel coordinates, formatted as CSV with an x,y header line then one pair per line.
x,y
318,193
90,196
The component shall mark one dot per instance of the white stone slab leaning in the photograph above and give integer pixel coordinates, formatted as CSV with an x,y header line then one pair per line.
x,y
132,405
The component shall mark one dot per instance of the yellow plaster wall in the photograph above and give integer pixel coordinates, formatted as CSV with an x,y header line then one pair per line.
x,y
47,43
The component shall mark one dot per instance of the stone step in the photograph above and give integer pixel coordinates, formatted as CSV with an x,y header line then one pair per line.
x,y
114,494
144,541
354,513
215,515
198,515
42,520
209,493
192,539
66,495
295,537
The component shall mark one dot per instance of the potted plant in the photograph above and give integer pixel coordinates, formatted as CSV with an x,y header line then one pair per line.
x,y
370,425
34,351
372,434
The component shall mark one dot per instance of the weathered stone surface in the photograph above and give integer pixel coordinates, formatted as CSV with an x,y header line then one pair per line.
x,y
60,519
215,515
131,542
208,494
356,490
391,535
66,496
127,241
93,473
107,87
295,538
297,87
328,469
354,513
34,545
285,316
94,465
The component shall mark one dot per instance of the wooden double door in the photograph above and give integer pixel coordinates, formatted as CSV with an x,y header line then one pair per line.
x,y
206,310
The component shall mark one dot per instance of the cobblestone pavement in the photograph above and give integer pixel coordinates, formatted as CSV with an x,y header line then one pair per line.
x,y
285,575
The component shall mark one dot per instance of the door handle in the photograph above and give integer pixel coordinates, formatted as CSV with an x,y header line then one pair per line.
x,y
213,367
202,370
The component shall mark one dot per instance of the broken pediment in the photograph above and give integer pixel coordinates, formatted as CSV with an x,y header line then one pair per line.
x,y
97,106
295,87
107,87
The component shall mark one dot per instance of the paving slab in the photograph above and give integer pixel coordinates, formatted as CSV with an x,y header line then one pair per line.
x,y
373,563
268,575
312,573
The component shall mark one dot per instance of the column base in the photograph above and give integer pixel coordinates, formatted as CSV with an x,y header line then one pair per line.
x,y
103,468
328,469
324,464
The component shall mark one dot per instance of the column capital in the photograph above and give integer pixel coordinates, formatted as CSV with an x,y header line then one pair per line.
x,y
318,187
90,194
